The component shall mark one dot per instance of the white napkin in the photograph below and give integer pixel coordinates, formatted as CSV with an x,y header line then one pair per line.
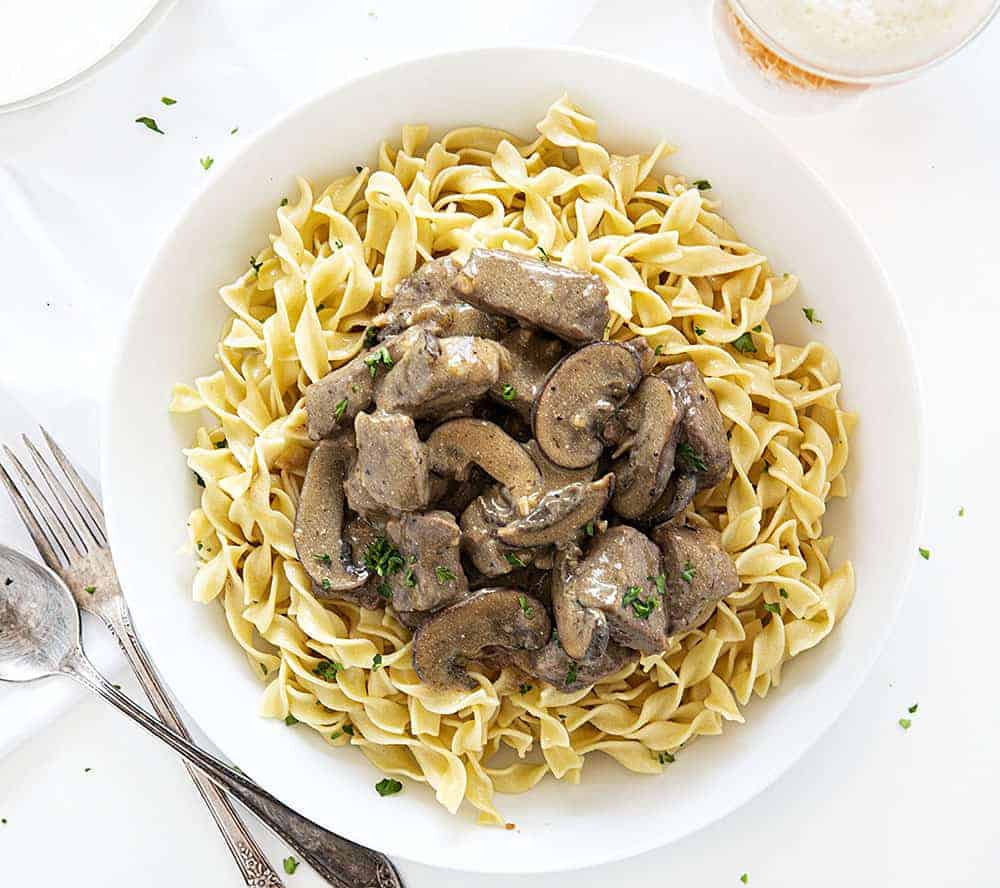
x,y
86,194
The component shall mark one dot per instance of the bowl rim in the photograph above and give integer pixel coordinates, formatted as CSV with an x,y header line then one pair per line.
x,y
775,767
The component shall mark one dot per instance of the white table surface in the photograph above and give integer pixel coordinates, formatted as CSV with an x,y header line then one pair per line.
x,y
84,199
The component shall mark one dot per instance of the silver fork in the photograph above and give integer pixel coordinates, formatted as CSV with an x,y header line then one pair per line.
x,y
70,535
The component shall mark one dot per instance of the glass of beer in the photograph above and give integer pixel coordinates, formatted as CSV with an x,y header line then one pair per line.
x,y
861,41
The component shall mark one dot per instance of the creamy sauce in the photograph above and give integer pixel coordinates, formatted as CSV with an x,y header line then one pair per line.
x,y
867,38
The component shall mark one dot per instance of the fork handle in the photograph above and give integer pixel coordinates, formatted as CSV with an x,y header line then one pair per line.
x,y
341,862
253,864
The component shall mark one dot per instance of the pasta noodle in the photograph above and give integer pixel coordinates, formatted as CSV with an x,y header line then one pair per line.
x,y
677,274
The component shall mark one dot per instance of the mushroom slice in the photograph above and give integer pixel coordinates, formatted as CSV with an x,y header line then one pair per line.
x,y
553,665
391,469
621,577
703,450
699,573
479,523
583,630
493,618
553,476
557,516
436,376
431,576
578,396
530,357
679,492
644,472
319,521
454,446
569,303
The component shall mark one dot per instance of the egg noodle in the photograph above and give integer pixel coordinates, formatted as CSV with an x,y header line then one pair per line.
x,y
677,274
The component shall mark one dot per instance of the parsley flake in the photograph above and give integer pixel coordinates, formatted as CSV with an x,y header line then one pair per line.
x,y
745,878
687,454
385,591
376,662
383,557
349,730
523,688
207,161
284,202
925,553
545,256
641,607
783,593
961,511
371,337
660,580
665,758
744,344
810,314
8,581
589,528
912,709
660,189
234,131
526,608
382,357
905,723
323,558
758,328
513,560
444,575
387,786
409,579
688,572
291,865
327,670
702,184
199,480
658,350
699,331
772,607
291,720
339,409
168,101
339,244
571,672
149,123
508,393
255,265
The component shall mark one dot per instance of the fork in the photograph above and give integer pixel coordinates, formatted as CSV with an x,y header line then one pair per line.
x,y
70,535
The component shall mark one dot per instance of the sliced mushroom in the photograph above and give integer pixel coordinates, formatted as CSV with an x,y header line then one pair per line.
x,y
431,576
643,473
492,618
319,522
568,303
437,376
553,665
699,573
480,521
677,495
619,577
583,630
559,514
454,446
703,450
553,476
577,397
391,471
530,357
426,299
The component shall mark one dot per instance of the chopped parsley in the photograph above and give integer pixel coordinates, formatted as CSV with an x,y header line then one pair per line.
x,y
589,528
385,591
3,821
382,357
660,189
199,479
8,581
665,758
698,331
324,559
444,575
325,583
641,607
376,662
690,458
925,553
358,169
349,730
339,409
149,123
772,607
912,709
523,688
688,572
383,557
661,583
284,202
371,337
409,579
744,344
339,244
87,770
207,161
508,393
291,720
90,590
658,350
234,131
255,265
571,672
758,328
745,878
291,865
905,723
168,101
961,511
327,670
783,593
335,735
513,560
702,184
387,786
545,256
219,445
810,314
526,608
263,668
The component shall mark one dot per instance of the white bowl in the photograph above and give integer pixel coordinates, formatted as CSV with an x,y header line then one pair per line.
x,y
775,202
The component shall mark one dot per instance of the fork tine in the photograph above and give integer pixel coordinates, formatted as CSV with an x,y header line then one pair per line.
x,y
34,528
92,508
72,512
47,515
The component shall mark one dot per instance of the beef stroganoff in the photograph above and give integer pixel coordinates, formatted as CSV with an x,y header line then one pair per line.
x,y
676,275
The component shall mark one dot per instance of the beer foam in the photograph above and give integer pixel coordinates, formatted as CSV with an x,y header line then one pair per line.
x,y
867,38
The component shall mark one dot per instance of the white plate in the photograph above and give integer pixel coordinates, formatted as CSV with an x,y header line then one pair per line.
x,y
775,202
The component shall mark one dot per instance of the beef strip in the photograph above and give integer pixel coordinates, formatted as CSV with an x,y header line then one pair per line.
x,y
531,355
432,576
568,303
553,665
391,473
